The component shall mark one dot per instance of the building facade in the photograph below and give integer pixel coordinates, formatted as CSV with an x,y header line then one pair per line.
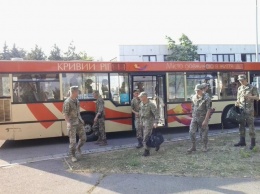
x,y
210,53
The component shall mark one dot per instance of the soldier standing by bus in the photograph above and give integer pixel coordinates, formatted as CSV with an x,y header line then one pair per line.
x,y
75,124
135,105
149,119
99,121
201,109
245,100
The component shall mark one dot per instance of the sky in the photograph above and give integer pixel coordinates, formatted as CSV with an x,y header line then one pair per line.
x,y
98,27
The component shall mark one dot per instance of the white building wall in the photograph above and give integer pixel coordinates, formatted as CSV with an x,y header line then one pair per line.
x,y
138,52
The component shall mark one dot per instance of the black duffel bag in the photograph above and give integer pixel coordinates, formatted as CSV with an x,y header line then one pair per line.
x,y
236,115
155,140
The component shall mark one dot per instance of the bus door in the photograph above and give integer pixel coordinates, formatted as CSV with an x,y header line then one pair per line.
x,y
255,81
154,86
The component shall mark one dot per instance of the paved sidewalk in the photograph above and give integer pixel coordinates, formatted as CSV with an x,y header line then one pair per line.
x,y
51,177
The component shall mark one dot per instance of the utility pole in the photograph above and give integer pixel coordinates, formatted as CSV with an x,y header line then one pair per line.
x,y
256,46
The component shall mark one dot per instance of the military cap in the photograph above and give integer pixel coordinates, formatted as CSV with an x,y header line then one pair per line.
x,y
143,94
73,88
203,85
241,77
198,87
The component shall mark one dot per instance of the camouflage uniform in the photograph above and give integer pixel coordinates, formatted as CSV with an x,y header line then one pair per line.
x,y
71,108
99,126
200,106
148,116
248,107
135,105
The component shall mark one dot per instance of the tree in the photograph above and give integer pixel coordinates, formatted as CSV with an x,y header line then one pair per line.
x,y
55,53
17,52
36,54
84,57
6,54
71,55
185,51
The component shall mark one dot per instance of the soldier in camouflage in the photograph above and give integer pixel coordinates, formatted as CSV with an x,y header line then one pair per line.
x,y
135,105
99,121
149,118
201,108
75,124
246,96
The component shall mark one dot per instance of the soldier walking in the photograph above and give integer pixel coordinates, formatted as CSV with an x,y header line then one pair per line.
x,y
149,118
99,121
201,109
75,124
135,105
245,100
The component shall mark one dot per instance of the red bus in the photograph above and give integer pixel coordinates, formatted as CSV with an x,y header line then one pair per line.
x,y
32,93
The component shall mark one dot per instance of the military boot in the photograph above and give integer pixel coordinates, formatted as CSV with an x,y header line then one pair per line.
x,y
205,147
74,159
193,148
157,148
242,142
103,143
98,141
78,150
252,143
146,153
140,143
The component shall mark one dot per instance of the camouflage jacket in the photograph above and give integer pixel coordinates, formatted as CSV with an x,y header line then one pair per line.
x,y
71,108
100,106
135,104
148,113
247,105
201,105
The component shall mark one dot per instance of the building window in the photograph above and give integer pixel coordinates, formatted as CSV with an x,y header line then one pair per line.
x,y
223,58
165,57
248,57
202,58
149,58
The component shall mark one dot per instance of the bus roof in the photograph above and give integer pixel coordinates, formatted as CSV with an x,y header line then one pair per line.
x,y
84,66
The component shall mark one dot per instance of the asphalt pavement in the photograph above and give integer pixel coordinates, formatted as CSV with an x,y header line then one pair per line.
x,y
40,167
51,177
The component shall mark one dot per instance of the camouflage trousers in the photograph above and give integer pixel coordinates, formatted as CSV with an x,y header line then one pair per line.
x,y
197,124
249,119
138,128
72,132
99,129
147,129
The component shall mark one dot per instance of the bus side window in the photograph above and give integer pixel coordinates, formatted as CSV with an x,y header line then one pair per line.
x,y
4,85
228,85
119,88
176,87
35,88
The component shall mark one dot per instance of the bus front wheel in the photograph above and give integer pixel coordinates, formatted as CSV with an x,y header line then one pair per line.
x,y
89,119
227,124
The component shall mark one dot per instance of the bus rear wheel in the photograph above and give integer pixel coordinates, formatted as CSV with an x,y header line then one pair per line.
x,y
227,124
89,119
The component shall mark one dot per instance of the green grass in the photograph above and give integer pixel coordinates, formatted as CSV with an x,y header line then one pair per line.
x,y
222,160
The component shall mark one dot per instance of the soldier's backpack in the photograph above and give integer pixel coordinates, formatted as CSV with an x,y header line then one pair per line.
x,y
155,140
235,115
